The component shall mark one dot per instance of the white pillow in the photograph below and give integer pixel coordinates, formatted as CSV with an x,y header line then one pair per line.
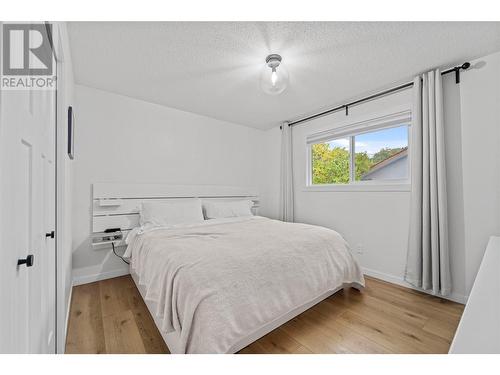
x,y
170,213
217,210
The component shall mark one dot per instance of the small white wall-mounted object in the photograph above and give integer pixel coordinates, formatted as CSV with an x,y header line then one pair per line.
x,y
110,202
479,328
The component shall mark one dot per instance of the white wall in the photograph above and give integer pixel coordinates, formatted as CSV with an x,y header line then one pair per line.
x,y
378,221
270,173
120,139
480,113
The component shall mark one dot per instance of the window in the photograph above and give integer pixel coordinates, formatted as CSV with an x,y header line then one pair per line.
x,y
363,154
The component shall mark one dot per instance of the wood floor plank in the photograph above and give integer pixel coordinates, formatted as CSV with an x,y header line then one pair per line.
x,y
415,303
424,301
373,331
151,337
85,328
394,335
366,304
312,337
110,316
276,342
113,295
443,328
122,334
349,340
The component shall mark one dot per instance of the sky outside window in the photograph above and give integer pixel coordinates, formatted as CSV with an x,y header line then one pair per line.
x,y
391,138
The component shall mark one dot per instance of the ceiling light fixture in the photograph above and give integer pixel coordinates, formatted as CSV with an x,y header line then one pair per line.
x,y
274,77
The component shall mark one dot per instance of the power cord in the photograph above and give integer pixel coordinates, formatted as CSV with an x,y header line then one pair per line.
x,y
114,252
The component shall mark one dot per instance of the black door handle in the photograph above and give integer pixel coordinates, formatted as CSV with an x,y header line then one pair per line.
x,y
50,234
28,261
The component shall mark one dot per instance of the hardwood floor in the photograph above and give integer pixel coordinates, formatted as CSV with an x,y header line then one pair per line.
x,y
110,316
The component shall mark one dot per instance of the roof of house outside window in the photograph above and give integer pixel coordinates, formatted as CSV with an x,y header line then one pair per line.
x,y
385,163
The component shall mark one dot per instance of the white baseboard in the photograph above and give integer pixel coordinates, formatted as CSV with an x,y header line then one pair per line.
x,y
460,298
91,274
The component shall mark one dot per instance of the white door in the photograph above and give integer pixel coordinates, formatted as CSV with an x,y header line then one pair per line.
x,y
27,217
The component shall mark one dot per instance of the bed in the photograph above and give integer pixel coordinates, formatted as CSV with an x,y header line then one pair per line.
x,y
217,285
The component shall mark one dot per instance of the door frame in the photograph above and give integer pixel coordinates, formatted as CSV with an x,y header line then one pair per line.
x,y
64,98
59,197
55,32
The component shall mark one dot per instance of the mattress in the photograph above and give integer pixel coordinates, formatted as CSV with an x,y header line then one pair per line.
x,y
216,287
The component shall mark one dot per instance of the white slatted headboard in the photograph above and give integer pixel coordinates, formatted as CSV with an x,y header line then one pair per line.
x,y
116,205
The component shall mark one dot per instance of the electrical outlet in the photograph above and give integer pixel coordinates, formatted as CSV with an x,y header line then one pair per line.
x,y
359,248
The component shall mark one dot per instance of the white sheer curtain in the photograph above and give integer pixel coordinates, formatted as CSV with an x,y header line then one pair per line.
x,y
428,260
286,175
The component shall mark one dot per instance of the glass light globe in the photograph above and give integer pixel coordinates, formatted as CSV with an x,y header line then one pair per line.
x,y
274,76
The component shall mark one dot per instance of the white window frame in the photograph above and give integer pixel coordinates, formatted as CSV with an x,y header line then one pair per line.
x,y
351,131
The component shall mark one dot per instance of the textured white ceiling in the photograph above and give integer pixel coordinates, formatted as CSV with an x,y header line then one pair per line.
x,y
213,68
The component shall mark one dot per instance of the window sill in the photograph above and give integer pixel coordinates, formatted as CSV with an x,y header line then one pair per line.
x,y
358,187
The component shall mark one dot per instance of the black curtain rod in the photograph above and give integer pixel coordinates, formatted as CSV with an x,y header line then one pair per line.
x,y
345,107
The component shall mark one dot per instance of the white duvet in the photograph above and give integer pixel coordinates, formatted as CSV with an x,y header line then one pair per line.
x,y
218,282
